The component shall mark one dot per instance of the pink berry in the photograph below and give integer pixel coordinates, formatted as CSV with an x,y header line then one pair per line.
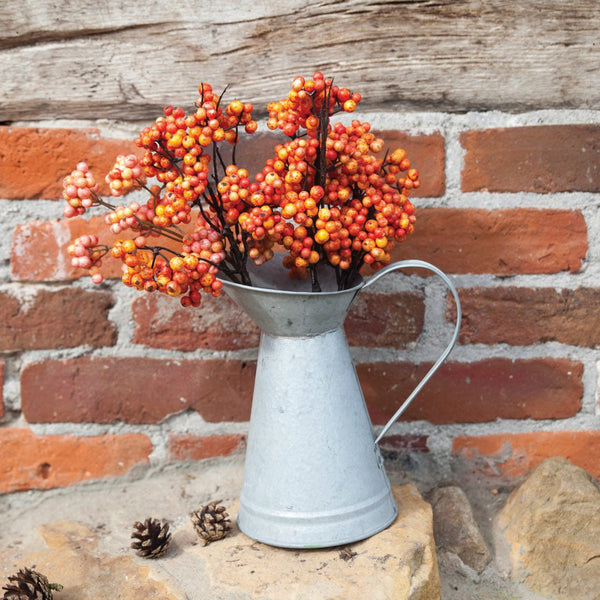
x,y
71,191
130,161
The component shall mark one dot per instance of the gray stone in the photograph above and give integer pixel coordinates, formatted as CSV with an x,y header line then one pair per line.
x,y
455,528
548,533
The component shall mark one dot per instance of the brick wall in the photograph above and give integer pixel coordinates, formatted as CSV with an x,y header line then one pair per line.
x,y
100,380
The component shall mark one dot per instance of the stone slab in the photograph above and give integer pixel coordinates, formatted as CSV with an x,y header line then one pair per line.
x,y
79,537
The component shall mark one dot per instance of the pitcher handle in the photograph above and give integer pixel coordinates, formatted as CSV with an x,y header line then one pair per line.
x,y
404,264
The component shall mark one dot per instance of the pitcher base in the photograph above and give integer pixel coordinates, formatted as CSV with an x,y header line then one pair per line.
x,y
292,529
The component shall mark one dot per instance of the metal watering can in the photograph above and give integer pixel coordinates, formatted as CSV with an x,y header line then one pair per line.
x,y
314,475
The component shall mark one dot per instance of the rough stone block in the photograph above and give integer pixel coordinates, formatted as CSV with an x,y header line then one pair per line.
x,y
548,532
455,528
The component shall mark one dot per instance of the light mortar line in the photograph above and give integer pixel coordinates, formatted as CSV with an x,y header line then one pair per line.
x,y
447,432
188,422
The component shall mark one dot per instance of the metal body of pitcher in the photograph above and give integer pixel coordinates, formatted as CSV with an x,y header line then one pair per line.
x,y
314,476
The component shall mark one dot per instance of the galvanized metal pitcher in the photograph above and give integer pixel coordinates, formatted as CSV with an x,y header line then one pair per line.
x,y
314,476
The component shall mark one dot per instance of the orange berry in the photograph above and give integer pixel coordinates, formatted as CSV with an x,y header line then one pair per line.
x,y
321,237
177,263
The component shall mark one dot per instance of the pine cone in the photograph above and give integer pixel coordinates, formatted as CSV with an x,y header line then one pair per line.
x,y
28,584
152,538
211,522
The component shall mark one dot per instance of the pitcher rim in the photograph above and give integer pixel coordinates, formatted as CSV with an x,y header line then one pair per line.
x,y
227,282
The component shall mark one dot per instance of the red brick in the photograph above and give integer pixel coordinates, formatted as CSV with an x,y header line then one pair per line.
x,y
39,249
185,446
161,322
61,319
376,320
515,454
138,390
522,316
486,390
502,242
386,319
1,388
541,159
31,462
34,161
135,390
426,152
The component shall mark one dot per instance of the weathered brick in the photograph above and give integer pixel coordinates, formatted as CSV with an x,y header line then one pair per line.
x,y
30,462
486,390
34,161
386,319
376,320
138,390
521,316
161,322
135,390
61,319
542,159
186,446
39,249
515,454
426,153
1,388
502,242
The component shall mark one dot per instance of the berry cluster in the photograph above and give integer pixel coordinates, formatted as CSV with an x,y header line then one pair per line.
x,y
86,253
326,196
125,176
79,190
309,104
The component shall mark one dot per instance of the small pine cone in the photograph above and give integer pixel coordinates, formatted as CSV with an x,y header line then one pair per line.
x,y
152,538
211,522
28,584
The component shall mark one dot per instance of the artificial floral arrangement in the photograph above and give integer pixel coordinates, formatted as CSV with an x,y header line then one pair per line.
x,y
324,199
